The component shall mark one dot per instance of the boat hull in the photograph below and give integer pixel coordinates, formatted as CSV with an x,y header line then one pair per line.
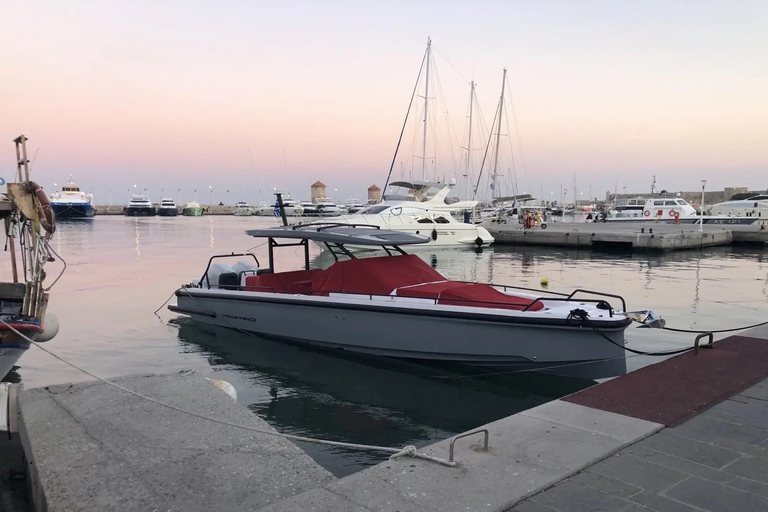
x,y
10,353
143,211
167,212
440,333
72,210
192,212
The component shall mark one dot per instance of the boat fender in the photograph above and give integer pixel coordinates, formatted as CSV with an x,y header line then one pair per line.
x,y
47,217
479,242
434,234
50,328
225,387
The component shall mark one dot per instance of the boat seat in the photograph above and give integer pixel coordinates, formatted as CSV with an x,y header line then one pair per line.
x,y
451,293
296,282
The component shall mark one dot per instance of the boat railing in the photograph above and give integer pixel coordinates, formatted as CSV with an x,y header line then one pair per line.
x,y
526,306
204,277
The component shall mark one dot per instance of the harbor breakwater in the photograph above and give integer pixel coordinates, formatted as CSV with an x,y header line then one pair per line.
x,y
119,209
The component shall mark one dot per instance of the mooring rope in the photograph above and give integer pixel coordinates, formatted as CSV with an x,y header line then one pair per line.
x,y
409,450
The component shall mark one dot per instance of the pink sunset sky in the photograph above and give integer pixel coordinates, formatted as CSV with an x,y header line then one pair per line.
x,y
170,95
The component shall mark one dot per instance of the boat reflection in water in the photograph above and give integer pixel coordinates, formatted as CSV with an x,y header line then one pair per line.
x,y
333,394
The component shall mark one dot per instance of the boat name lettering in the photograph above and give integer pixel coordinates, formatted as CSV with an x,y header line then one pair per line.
x,y
235,317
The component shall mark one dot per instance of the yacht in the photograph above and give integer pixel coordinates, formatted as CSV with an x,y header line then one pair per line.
x,y
72,202
264,209
243,209
308,209
441,228
437,319
140,206
168,207
192,209
326,208
352,205
753,207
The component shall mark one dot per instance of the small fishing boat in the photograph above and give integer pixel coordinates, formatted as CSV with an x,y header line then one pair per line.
x,y
140,206
242,209
28,216
435,319
192,209
168,207
71,202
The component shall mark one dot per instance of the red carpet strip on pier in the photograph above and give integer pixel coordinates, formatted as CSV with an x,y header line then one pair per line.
x,y
675,390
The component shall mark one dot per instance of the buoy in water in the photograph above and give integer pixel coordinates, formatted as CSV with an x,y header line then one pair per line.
x,y
544,281
225,387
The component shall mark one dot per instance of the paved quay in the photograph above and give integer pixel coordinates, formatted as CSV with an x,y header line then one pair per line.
x,y
640,236
690,434
92,447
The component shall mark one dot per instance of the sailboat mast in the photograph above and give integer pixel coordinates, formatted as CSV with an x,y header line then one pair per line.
x,y
469,138
426,115
498,133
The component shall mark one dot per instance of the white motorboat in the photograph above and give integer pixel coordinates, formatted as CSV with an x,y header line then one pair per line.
x,y
264,209
441,228
242,209
29,217
167,207
140,206
753,207
352,205
435,319
72,202
676,210
327,208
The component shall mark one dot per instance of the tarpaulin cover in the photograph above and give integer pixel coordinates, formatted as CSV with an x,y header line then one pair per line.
x,y
465,294
377,276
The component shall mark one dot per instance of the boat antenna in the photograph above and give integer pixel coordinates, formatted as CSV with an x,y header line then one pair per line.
x,y
405,121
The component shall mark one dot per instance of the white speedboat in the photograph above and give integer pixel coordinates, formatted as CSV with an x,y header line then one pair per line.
x,y
167,207
441,228
242,209
72,202
140,206
429,317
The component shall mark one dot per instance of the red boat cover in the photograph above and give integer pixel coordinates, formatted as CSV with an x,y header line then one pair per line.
x,y
465,294
377,276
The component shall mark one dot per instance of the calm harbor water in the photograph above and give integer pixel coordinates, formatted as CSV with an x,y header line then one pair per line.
x,y
121,269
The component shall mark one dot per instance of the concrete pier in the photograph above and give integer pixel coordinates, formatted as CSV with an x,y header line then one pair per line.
x,y
92,447
654,237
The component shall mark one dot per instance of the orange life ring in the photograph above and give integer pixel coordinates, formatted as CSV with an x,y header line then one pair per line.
x,y
677,213
647,213
47,217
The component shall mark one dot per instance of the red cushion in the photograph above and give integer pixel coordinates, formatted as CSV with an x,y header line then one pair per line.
x,y
466,294
377,276
299,281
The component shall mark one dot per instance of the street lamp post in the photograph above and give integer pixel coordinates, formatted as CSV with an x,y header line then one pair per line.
x,y
701,206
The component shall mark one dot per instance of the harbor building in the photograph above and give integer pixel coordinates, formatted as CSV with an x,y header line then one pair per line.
x,y
374,194
317,191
